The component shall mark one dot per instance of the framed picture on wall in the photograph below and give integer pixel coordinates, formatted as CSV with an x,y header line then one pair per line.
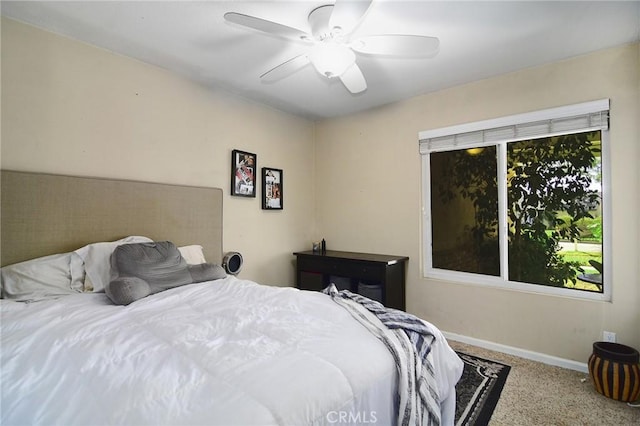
x,y
271,188
243,173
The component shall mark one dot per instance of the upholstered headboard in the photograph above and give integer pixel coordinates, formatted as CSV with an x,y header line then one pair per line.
x,y
43,214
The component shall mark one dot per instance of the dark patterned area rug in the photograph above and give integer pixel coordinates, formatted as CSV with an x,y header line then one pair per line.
x,y
479,389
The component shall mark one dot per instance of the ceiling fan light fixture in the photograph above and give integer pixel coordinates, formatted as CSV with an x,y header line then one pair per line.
x,y
332,59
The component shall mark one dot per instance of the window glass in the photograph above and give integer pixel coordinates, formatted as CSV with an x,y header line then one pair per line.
x,y
464,208
554,215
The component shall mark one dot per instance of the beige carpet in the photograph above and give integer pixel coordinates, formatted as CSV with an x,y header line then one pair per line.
x,y
537,394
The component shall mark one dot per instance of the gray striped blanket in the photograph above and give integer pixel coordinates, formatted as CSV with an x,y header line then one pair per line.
x,y
409,341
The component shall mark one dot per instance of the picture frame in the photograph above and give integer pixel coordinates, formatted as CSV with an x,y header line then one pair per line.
x,y
272,189
243,173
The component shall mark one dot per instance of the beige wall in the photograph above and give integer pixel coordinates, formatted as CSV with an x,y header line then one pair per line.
x,y
73,109
369,186
70,108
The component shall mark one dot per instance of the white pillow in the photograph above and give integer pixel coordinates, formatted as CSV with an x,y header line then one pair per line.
x,y
97,261
42,278
192,254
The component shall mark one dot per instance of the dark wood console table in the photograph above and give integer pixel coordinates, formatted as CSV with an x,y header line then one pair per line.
x,y
377,276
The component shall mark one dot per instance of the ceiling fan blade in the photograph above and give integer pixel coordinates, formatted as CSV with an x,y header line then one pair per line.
x,y
347,14
397,45
266,26
353,79
285,69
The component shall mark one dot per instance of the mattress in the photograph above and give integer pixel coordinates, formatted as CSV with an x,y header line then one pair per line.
x,y
225,352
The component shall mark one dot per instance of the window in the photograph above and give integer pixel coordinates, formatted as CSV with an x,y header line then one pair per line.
x,y
518,202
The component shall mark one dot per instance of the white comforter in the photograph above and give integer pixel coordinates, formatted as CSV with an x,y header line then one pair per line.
x,y
227,352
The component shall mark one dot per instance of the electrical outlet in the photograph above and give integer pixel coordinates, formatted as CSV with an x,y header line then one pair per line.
x,y
609,336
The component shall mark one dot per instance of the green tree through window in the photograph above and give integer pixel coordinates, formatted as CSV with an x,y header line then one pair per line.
x,y
550,190
553,199
465,210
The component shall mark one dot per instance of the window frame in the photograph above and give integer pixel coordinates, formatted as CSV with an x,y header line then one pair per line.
x,y
462,136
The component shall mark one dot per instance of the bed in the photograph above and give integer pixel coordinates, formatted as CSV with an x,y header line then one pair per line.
x,y
222,351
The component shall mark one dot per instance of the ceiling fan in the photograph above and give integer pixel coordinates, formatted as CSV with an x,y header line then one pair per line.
x,y
332,50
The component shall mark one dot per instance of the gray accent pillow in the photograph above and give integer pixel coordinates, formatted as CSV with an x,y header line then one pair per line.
x,y
141,269
125,290
206,272
159,263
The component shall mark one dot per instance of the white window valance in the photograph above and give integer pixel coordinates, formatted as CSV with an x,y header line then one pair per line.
x,y
550,122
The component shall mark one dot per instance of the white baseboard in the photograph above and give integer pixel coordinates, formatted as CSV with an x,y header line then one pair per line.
x,y
522,353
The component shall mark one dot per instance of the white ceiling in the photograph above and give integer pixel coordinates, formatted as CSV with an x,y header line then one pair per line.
x,y
477,40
